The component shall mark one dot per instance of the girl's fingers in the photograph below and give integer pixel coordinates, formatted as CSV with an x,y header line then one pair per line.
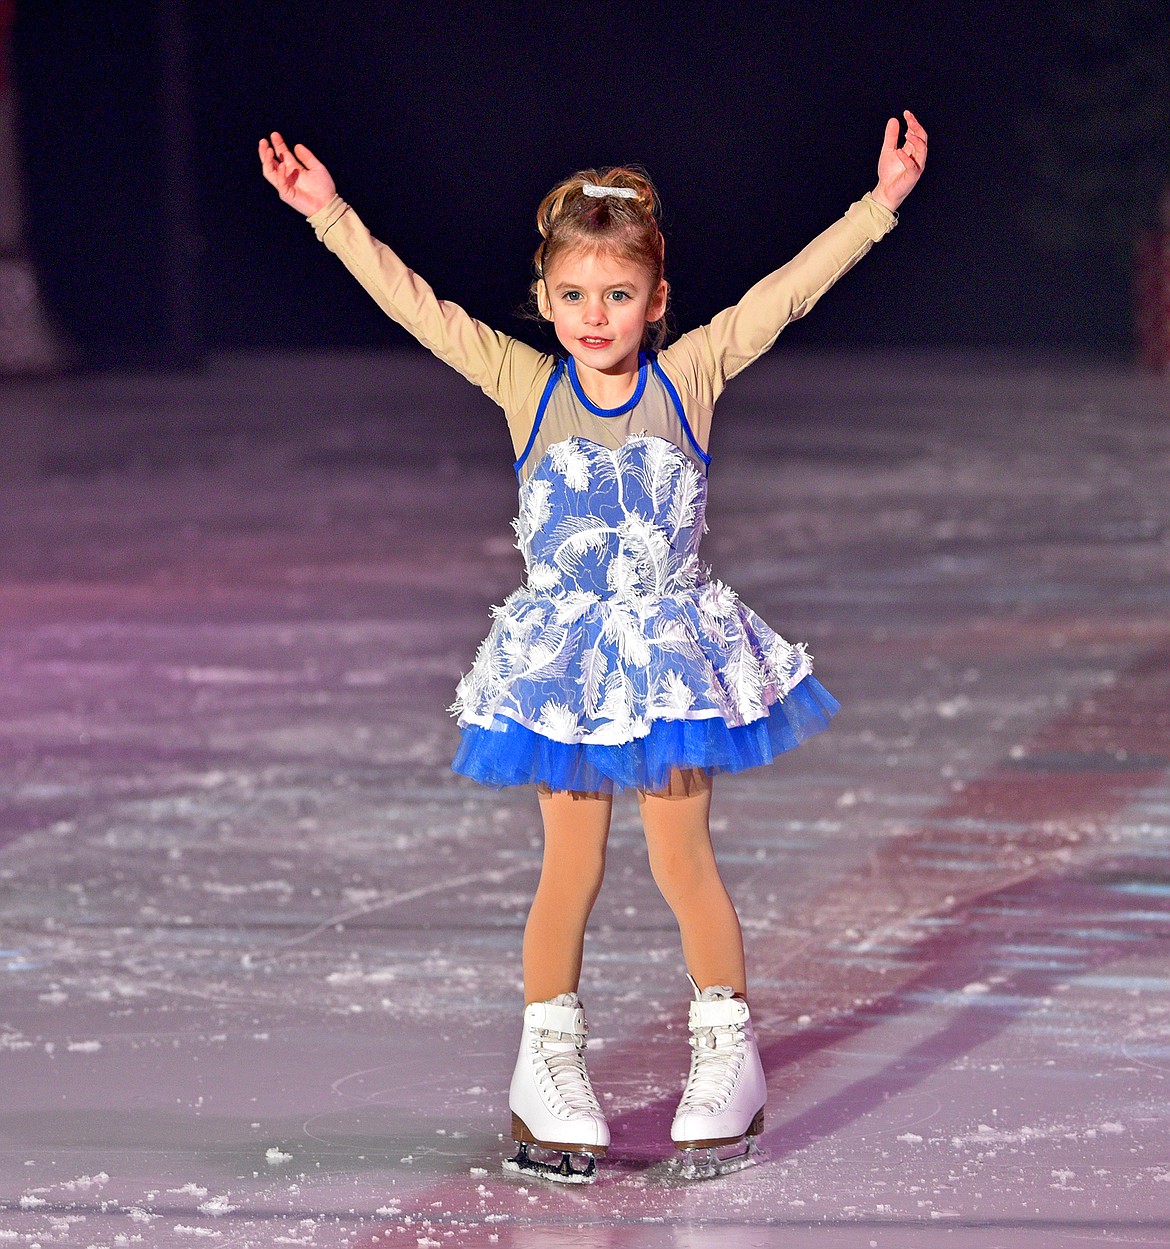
x,y
281,174
270,169
913,150
282,151
305,156
911,120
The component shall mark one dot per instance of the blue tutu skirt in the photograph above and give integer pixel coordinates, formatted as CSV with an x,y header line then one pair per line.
x,y
509,753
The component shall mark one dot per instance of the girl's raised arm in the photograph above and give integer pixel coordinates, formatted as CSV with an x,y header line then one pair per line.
x,y
507,370
299,177
704,360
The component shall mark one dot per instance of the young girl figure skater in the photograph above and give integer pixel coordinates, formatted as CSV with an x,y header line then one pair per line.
x,y
620,663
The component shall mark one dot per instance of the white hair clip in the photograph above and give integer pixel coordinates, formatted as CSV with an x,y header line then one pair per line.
x,y
600,192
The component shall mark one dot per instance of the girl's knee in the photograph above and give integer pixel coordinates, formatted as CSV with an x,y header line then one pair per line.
x,y
574,866
683,871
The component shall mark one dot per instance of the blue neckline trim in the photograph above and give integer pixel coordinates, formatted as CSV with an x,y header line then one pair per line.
x,y
678,407
549,387
632,401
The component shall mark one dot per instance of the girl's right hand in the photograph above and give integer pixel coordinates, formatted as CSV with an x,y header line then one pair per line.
x,y
299,177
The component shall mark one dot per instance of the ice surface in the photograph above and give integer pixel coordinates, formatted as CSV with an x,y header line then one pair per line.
x,y
259,982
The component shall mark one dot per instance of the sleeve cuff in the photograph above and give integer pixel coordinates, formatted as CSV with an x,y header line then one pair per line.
x,y
878,220
328,216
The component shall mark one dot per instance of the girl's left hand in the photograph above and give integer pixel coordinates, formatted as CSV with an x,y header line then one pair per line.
x,y
899,168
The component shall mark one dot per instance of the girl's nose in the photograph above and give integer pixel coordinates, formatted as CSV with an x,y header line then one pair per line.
x,y
595,312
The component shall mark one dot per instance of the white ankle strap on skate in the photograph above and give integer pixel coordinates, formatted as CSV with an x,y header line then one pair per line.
x,y
553,1016
722,1012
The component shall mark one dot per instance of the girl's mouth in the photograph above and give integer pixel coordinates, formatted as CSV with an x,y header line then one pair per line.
x,y
596,342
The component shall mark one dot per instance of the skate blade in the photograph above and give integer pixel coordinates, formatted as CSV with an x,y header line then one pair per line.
x,y
714,1161
543,1167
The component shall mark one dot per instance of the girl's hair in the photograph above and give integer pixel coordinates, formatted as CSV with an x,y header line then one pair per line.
x,y
626,226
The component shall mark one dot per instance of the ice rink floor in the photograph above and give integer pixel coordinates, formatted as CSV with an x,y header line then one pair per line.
x,y
261,947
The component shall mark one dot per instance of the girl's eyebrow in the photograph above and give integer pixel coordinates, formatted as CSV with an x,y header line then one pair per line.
x,y
576,286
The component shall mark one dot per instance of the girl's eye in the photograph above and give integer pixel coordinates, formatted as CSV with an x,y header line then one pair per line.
x,y
572,296
619,296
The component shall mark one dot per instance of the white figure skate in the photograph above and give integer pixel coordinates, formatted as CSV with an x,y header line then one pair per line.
x,y
552,1102
722,1107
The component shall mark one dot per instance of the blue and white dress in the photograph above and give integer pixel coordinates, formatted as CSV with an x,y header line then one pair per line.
x,y
621,657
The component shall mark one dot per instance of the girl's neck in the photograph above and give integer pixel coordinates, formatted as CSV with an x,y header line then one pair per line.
x,y
609,388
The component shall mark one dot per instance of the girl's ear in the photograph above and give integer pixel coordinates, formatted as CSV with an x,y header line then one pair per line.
x,y
543,304
656,308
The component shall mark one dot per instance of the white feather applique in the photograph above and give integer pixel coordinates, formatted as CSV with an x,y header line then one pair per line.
x,y
672,697
574,550
622,576
573,604
676,639
718,601
684,504
745,682
549,655
657,470
535,509
647,549
594,669
558,721
570,461
617,710
543,577
684,576
623,628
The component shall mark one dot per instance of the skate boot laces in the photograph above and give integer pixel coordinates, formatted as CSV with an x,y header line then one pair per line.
x,y
718,1051
559,1057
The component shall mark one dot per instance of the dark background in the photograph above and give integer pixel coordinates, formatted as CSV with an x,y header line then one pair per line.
x,y
444,124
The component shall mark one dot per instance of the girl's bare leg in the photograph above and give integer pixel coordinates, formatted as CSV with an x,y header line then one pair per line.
x,y
576,828
682,860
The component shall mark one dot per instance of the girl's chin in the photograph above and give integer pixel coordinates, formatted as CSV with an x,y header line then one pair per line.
x,y
604,359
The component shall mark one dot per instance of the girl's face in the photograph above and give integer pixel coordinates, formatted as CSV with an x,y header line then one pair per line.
x,y
599,304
